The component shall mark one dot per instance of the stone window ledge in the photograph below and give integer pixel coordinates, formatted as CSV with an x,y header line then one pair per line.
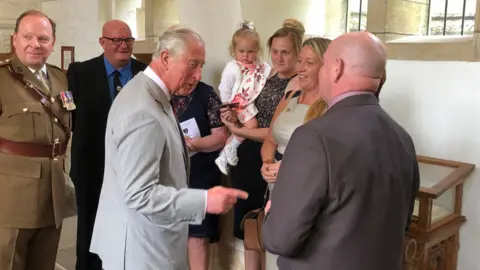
x,y
431,48
433,39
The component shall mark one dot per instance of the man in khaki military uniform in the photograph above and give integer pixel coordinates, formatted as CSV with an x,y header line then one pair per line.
x,y
34,133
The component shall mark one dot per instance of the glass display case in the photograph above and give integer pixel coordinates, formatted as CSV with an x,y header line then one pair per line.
x,y
432,241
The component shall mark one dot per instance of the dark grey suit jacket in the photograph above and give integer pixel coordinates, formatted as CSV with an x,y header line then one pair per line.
x,y
345,191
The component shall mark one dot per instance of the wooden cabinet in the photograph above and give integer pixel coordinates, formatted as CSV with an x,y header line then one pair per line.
x,y
432,242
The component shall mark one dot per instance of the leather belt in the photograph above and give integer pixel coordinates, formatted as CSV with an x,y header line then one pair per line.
x,y
54,150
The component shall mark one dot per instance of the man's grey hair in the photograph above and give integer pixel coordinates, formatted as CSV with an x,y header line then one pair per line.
x,y
175,40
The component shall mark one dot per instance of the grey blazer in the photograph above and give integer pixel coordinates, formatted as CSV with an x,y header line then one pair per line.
x,y
145,206
345,191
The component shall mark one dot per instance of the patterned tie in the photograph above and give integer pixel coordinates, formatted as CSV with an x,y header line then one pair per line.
x,y
42,77
117,84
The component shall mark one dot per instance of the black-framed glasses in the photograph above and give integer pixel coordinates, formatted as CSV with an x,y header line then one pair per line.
x,y
118,41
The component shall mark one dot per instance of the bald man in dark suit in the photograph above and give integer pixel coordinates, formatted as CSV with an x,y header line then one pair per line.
x,y
346,188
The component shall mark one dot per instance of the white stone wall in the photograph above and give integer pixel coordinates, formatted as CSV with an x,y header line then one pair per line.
x,y
126,10
9,11
78,25
216,21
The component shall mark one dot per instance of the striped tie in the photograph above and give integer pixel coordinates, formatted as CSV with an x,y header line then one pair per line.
x,y
42,77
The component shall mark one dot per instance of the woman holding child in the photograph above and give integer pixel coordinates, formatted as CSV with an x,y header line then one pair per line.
x,y
284,46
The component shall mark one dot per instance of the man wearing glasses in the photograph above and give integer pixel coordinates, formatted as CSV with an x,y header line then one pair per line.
x,y
95,84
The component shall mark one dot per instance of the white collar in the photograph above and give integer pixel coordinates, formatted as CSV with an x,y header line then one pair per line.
x,y
44,69
152,75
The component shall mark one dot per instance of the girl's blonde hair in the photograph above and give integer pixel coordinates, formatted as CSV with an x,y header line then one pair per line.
x,y
319,46
245,30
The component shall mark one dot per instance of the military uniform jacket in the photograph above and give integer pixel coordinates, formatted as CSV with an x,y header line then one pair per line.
x,y
32,189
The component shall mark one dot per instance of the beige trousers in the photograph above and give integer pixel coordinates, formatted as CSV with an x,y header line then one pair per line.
x,y
28,249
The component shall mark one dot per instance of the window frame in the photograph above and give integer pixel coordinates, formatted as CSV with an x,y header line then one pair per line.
x,y
425,48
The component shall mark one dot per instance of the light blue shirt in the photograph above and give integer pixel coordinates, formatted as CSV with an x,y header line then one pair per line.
x,y
125,75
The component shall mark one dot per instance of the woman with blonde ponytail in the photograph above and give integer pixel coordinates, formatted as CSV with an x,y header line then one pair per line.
x,y
296,108
315,110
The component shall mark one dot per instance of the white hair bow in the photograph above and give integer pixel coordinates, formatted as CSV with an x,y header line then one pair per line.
x,y
249,25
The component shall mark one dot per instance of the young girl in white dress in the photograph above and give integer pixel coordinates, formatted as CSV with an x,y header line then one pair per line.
x,y
242,80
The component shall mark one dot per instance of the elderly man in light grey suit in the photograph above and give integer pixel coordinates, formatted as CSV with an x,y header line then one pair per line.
x,y
145,205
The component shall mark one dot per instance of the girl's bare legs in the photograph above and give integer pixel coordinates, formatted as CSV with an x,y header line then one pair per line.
x,y
229,152
231,148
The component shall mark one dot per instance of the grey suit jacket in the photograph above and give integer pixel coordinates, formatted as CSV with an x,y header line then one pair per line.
x,y
345,191
145,206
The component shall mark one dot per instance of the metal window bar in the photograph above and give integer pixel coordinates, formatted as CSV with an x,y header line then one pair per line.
x,y
360,17
429,17
462,30
347,22
463,16
445,18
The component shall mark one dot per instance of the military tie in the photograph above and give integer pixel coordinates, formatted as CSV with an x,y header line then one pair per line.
x,y
117,84
42,77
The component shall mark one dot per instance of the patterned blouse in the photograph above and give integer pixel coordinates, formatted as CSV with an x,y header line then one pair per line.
x,y
267,101
180,104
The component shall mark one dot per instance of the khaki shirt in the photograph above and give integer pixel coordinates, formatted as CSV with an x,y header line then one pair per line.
x,y
32,190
